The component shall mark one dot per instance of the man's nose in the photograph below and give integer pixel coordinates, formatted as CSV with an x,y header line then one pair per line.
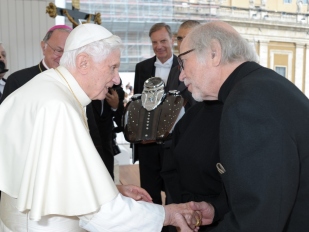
x,y
182,75
116,79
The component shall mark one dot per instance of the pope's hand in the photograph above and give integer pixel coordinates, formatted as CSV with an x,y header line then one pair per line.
x,y
135,192
182,216
206,209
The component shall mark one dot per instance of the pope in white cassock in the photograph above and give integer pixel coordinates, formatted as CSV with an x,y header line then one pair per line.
x,y
51,176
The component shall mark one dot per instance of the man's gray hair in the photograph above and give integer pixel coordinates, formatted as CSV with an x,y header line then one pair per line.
x,y
98,50
234,48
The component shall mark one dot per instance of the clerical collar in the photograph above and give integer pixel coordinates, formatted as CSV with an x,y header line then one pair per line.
x,y
45,65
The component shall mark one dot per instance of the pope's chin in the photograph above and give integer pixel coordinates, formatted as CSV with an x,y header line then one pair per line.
x,y
100,96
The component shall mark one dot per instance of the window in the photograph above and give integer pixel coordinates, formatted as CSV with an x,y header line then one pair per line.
x,y
287,1
305,1
281,70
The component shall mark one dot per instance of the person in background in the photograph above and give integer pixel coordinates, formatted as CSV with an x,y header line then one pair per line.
x,y
150,155
173,81
52,48
264,149
189,165
51,174
4,69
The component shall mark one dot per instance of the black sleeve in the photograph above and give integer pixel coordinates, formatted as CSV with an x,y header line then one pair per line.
x,y
260,175
120,110
10,86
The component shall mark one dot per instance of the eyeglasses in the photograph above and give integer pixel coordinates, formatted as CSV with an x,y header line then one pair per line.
x,y
57,52
179,38
180,62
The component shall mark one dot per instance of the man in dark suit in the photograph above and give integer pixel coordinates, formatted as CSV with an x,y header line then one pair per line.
x,y
173,80
52,48
189,166
150,155
264,149
107,112
169,166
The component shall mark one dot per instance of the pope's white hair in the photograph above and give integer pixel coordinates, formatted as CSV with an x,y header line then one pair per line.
x,y
98,50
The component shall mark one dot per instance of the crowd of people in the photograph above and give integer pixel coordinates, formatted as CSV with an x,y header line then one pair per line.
x,y
237,159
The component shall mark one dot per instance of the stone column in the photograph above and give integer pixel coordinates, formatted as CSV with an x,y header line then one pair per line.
x,y
306,85
263,53
299,66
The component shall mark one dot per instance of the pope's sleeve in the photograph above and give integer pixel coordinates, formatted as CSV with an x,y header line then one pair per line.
x,y
260,159
125,214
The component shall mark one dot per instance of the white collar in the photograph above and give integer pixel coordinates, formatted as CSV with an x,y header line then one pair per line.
x,y
166,64
45,65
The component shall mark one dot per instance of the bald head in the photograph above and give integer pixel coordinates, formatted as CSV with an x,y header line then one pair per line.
x,y
184,29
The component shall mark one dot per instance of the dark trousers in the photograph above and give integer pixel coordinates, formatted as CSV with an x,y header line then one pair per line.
x,y
150,163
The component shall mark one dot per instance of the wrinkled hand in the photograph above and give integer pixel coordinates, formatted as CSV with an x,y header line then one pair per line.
x,y
112,98
134,192
206,209
182,216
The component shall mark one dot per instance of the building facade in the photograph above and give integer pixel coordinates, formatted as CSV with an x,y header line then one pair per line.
x,y
279,30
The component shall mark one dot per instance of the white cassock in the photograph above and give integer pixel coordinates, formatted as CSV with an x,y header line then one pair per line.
x,y
51,175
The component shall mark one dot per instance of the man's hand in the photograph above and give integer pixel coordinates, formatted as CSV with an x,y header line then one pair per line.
x,y
112,98
134,192
206,209
182,216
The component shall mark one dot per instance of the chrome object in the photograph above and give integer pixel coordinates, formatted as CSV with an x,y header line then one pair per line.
x,y
153,93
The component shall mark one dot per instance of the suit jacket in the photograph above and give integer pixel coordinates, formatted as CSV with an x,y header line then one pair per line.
x,y
105,124
173,83
21,77
195,151
264,149
146,69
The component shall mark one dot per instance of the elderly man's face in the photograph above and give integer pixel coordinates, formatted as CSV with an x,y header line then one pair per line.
x,y
104,75
162,44
3,58
199,77
53,48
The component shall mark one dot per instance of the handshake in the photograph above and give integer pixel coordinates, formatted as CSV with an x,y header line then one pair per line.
x,y
189,216
186,216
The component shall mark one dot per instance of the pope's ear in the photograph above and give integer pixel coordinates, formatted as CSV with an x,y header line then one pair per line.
x,y
82,63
